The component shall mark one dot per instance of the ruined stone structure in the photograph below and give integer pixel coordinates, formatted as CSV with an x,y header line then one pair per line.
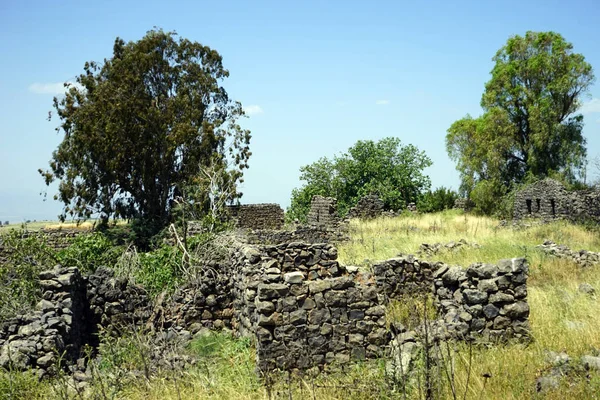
x,y
548,200
584,258
486,299
463,204
56,239
367,207
323,213
300,305
257,216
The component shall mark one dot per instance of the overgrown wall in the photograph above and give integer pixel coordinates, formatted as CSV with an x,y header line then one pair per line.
x,y
257,216
300,305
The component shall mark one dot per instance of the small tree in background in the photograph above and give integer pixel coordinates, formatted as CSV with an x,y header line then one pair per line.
x,y
387,168
438,200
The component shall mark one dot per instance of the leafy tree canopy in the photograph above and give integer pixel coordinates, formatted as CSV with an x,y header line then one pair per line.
x,y
529,126
387,168
142,125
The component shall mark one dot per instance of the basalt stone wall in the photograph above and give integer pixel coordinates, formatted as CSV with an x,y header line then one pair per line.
x,y
367,207
323,212
115,302
301,233
405,276
584,258
58,326
56,239
257,216
463,204
303,308
548,200
485,300
206,302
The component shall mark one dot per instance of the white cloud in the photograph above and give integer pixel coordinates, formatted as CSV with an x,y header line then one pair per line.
x,y
253,110
382,102
50,88
592,106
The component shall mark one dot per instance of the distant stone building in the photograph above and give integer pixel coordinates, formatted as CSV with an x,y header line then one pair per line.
x,y
548,200
323,213
367,207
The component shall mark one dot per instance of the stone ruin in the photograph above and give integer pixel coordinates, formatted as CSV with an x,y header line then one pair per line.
x,y
463,204
323,213
367,207
583,258
549,200
298,304
257,216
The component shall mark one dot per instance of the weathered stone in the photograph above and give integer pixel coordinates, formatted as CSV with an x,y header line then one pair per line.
x,y
319,316
293,277
516,310
272,290
487,285
319,286
490,311
586,288
473,296
501,298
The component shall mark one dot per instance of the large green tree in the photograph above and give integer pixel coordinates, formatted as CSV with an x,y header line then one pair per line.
x,y
142,125
388,168
530,126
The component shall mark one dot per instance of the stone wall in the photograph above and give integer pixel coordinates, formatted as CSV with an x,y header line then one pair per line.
x,y
302,308
548,200
57,327
584,258
463,204
404,276
367,207
56,239
485,300
323,213
300,233
257,216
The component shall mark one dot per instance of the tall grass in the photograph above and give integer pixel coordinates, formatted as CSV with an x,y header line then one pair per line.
x,y
562,319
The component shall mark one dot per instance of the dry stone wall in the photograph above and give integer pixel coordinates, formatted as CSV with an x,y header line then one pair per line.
x,y
404,276
56,239
367,207
323,212
302,308
548,200
257,216
485,300
584,258
57,327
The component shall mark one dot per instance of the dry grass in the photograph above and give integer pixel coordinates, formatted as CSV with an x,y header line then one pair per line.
x,y
562,319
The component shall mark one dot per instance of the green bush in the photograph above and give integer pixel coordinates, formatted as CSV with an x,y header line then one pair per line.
x,y
27,256
90,251
161,269
438,200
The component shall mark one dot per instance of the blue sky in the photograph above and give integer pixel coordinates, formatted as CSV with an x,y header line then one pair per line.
x,y
315,76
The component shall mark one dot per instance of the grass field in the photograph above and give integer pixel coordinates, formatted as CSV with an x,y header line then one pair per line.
x,y
562,319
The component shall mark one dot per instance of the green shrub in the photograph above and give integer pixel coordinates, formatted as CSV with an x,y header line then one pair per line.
x,y
90,251
160,269
27,256
438,200
21,385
